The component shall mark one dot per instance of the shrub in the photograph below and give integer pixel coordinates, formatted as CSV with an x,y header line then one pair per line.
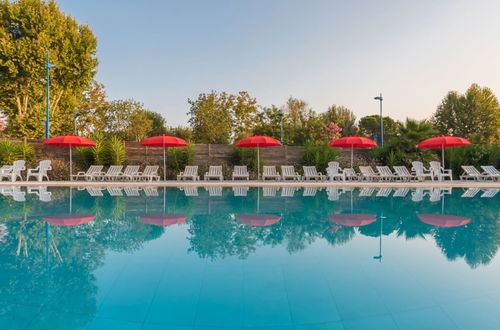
x,y
11,151
244,156
475,155
178,158
318,156
114,152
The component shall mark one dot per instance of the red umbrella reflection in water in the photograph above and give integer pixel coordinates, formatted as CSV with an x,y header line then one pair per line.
x,y
443,220
257,219
163,219
353,220
69,219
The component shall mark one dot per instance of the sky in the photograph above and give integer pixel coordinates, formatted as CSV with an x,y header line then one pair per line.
x,y
324,52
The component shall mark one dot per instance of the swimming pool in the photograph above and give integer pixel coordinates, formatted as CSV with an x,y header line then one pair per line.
x,y
275,258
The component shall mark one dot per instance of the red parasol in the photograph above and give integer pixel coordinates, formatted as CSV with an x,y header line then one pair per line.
x,y
352,141
443,141
257,219
164,141
69,219
69,141
258,141
353,220
163,219
443,220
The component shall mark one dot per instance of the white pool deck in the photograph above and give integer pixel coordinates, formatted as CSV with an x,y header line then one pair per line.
x,y
241,183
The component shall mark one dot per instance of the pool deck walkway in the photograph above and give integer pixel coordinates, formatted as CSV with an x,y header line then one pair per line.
x,y
240,183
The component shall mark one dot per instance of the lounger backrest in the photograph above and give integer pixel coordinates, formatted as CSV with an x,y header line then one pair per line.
x,y
269,170
93,169
402,171
288,170
215,170
151,170
114,170
491,170
310,171
191,170
367,170
384,170
240,191
131,170
240,170
470,170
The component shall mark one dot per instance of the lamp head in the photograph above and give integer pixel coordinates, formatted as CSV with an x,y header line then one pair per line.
x,y
378,98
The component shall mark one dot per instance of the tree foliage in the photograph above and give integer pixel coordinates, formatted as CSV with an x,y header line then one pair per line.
x,y
369,126
341,116
28,29
474,115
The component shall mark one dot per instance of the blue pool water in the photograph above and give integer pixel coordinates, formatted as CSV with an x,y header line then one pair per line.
x,y
249,258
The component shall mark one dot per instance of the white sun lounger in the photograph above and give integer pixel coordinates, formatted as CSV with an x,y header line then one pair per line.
x,y
132,191
385,173
115,191
401,192
214,191
40,172
350,174
214,172
240,172
310,172
492,172
366,192
470,192
470,172
113,173
288,172
383,192
95,191
130,173
269,172
190,172
490,193
440,172
310,191
190,191
403,174
240,191
288,191
269,191
91,174
150,173
150,191
368,174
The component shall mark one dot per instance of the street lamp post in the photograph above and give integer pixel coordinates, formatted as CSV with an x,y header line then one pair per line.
x,y
281,115
379,98
48,66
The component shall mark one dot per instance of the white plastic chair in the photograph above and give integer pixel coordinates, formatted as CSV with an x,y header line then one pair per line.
x,y
40,172
420,171
333,171
13,172
440,172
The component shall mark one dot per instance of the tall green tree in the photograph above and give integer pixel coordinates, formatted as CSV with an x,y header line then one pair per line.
x,y
127,119
341,116
157,123
210,117
92,110
28,29
474,115
369,126
243,111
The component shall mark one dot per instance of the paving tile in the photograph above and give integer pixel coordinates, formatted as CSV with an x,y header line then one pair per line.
x,y
13,316
474,314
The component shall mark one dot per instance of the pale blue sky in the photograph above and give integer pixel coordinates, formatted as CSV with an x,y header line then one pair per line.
x,y
324,52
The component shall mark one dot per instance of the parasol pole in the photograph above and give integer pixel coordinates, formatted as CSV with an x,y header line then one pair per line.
x,y
70,164
258,163
164,165
352,154
442,154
